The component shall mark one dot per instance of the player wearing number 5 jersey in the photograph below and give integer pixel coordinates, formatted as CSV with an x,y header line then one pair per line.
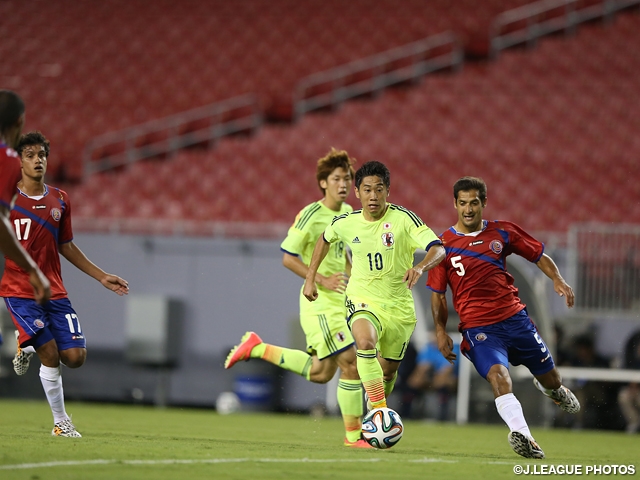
x,y
494,323
41,217
383,239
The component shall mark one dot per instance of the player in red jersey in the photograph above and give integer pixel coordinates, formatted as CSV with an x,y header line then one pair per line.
x,y
12,114
41,218
494,323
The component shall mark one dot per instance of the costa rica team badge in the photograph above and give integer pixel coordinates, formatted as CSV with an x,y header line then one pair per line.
x,y
496,246
56,214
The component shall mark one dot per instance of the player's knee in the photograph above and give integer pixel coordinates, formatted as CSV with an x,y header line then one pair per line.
x,y
499,378
73,358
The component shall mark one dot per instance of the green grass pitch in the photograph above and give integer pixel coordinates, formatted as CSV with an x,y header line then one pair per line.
x,y
141,442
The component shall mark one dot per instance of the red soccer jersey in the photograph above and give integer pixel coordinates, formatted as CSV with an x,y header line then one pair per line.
x,y
40,225
10,174
476,269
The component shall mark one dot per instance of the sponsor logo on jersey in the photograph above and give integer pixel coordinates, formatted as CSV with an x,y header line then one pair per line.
x,y
496,246
38,207
38,323
386,226
362,305
77,337
477,242
340,336
355,240
387,239
546,358
56,214
481,337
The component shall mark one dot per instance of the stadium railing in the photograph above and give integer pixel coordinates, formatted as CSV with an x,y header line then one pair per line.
x,y
370,75
202,125
524,25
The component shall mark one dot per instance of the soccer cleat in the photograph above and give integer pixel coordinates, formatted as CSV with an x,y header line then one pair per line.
x,y
563,397
21,359
242,351
525,446
65,429
360,443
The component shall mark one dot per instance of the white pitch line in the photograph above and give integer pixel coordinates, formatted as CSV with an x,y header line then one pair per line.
x,y
77,463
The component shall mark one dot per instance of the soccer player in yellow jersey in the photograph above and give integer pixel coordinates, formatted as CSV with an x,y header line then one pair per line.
x,y
330,344
383,238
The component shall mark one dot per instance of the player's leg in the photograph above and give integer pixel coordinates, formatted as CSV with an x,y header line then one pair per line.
x,y
350,398
486,348
393,346
365,328
24,328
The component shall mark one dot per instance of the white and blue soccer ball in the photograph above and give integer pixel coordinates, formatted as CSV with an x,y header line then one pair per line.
x,y
382,427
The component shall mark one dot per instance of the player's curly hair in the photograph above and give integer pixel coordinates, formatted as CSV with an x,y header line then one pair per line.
x,y
332,160
470,183
11,107
33,138
373,169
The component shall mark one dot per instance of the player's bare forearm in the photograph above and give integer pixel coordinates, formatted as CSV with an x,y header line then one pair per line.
x,y
432,258
310,291
440,314
561,287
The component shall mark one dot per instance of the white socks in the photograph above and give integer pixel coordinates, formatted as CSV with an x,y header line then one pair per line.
x,y
510,410
52,385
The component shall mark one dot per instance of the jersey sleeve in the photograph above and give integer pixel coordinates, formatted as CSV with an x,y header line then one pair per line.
x,y
331,234
437,278
521,243
421,234
10,175
65,234
295,240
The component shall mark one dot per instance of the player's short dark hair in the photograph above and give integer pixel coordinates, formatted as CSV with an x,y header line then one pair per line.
x,y
332,160
373,169
465,184
33,138
11,107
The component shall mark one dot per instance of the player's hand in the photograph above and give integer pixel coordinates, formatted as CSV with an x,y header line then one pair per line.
x,y
412,276
310,291
115,284
563,289
336,282
445,345
41,286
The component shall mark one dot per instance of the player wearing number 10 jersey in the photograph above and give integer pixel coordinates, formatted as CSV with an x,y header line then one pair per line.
x,y
383,239
494,323
42,220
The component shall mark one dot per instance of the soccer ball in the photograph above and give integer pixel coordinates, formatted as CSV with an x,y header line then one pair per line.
x,y
382,427
227,402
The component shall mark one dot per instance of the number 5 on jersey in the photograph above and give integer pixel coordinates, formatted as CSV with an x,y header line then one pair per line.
x,y
457,264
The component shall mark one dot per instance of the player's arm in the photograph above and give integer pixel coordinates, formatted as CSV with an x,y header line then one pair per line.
x,y
310,290
10,246
550,269
440,314
78,259
336,282
435,254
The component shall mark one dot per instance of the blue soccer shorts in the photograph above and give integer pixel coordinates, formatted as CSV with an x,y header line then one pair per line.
x,y
39,324
514,340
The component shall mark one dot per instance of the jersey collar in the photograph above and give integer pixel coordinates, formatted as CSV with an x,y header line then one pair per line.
x,y
46,191
472,234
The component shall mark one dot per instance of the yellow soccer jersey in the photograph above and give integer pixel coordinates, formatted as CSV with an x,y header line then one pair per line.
x,y
301,240
382,253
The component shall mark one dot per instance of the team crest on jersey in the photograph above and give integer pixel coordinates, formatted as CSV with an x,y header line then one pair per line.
x,y
362,305
387,239
38,323
386,226
496,246
56,214
340,336
481,337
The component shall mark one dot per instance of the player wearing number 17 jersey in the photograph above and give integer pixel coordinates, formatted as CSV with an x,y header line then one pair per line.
x,y
42,220
494,323
383,239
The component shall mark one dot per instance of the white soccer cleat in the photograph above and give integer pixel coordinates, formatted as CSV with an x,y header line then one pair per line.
x,y
525,446
65,429
21,359
563,397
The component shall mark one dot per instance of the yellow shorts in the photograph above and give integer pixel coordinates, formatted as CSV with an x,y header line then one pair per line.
x,y
394,328
326,334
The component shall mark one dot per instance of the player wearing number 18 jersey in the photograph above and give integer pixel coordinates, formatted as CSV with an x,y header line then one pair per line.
x,y
383,239
42,220
494,323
